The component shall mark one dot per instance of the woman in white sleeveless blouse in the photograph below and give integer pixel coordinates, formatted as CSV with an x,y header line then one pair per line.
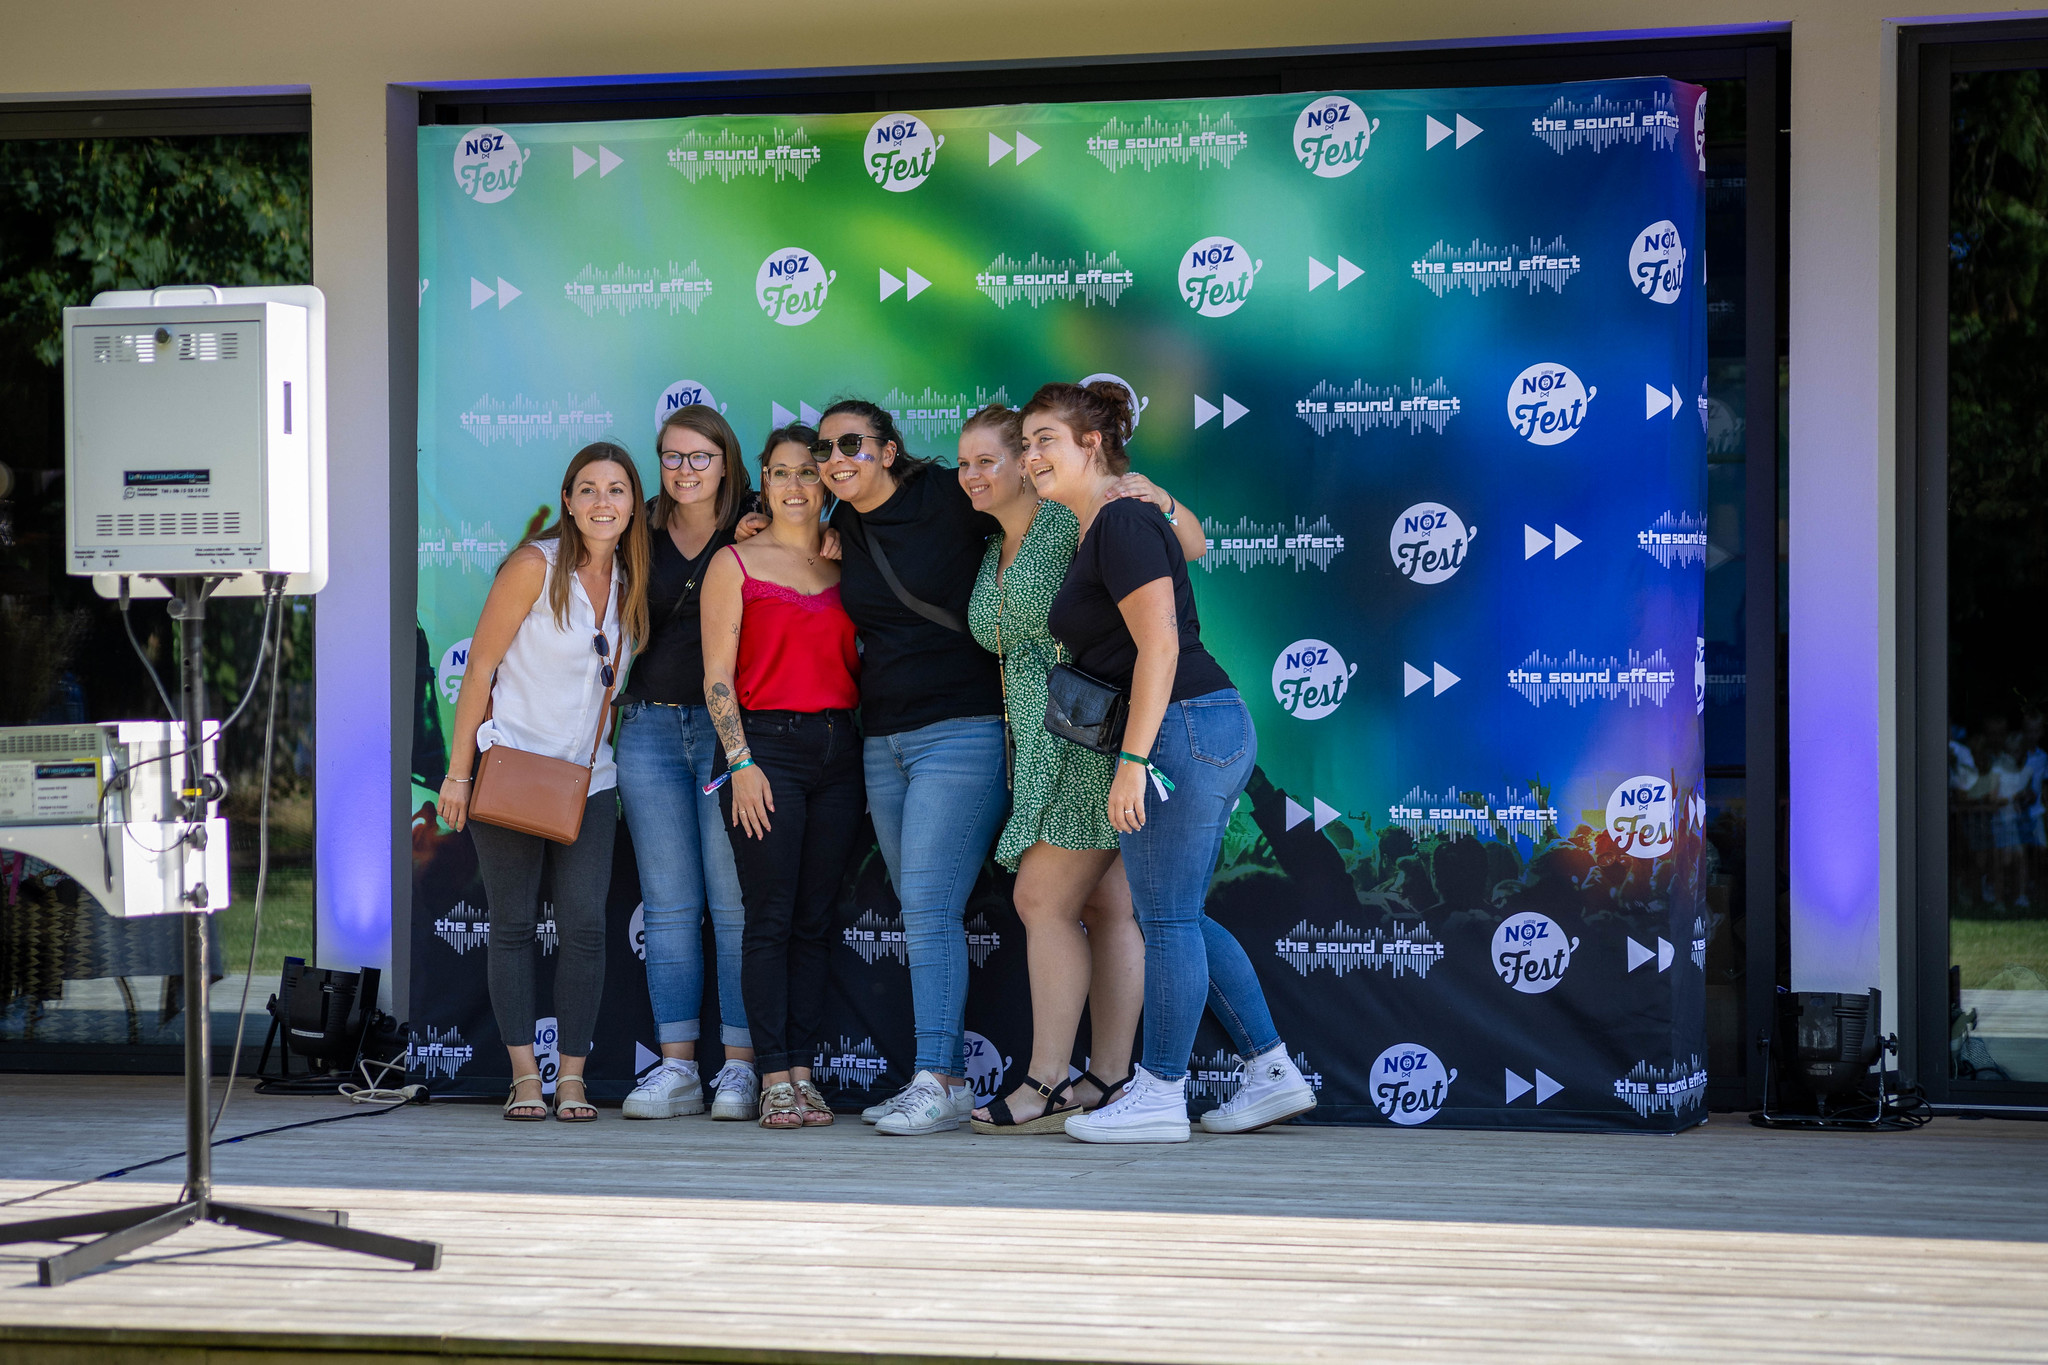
x,y
544,656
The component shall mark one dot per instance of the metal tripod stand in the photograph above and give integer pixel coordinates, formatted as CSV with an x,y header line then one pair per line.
x,y
126,1230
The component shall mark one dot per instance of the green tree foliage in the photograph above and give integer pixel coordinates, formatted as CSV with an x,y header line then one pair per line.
x,y
1998,394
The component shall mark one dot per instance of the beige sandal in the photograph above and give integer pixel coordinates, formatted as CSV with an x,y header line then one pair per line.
x,y
817,1113
780,1107
512,1101
563,1104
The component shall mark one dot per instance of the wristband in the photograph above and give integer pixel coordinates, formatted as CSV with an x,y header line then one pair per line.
x,y
1160,782
726,776
1173,511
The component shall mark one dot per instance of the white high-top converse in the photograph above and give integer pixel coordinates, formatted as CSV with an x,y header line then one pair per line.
x,y
1150,1110
1274,1090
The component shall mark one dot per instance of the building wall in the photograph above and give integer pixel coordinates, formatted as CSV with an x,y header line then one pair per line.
x,y
1842,668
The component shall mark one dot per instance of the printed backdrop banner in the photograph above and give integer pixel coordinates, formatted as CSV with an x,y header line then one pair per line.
x,y
1430,366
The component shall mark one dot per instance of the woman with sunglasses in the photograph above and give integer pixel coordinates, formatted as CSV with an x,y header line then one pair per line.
x,y
932,722
1125,615
561,621
780,674
1083,946
665,743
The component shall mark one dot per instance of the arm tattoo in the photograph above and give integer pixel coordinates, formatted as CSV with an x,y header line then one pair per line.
x,y
725,718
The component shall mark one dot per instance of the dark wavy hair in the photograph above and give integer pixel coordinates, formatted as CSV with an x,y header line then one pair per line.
x,y
1103,408
882,426
712,426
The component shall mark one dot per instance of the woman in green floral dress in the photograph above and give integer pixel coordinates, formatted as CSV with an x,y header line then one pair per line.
x,y
1081,940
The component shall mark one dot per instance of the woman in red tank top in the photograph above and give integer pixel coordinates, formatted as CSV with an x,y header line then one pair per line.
x,y
780,677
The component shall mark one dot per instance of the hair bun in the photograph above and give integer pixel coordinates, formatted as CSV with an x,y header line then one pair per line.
x,y
1116,400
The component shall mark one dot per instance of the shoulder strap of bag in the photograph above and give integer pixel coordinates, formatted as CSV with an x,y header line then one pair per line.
x,y
936,615
605,710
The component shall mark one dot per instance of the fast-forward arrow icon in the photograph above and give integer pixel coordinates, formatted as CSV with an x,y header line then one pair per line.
x,y
1638,955
1534,542
1318,273
481,293
998,149
1655,401
780,416
912,284
580,161
1296,813
1543,1086
1434,132
1205,411
1438,680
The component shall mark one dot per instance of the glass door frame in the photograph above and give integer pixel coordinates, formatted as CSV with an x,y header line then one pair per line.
x,y
1929,56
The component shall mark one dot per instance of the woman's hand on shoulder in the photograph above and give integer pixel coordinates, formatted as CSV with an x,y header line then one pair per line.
x,y
1136,485
749,526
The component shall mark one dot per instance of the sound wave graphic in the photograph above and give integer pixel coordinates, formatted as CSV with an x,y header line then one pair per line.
x,y
1205,142
1252,543
1220,1075
729,154
440,1052
1343,950
1675,538
1601,123
525,419
932,415
1473,812
981,940
1699,942
1040,281
848,1066
1481,267
625,291
1576,678
1367,407
463,927
1664,1090
471,549
875,936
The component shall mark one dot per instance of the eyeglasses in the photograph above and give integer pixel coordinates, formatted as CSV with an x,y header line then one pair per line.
x,y
805,474
847,445
605,675
699,459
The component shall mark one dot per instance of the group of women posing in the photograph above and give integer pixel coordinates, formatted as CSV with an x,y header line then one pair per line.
x,y
877,635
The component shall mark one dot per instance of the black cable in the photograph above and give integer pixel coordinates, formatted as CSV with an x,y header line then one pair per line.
x,y
274,590
218,1142
147,665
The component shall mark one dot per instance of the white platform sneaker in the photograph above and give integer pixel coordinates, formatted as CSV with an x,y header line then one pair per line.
x,y
669,1091
736,1092
1274,1091
927,1107
1149,1110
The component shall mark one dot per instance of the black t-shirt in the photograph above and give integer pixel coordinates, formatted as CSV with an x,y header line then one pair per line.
x,y
915,671
670,665
1128,546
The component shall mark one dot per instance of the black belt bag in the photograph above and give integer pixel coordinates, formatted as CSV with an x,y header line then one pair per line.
x,y
1085,710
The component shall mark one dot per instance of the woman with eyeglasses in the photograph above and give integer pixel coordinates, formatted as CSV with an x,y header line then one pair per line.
x,y
931,720
1125,616
558,627
780,682
1081,941
665,743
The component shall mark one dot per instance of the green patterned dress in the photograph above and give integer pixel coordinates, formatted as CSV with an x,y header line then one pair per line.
x,y
1059,791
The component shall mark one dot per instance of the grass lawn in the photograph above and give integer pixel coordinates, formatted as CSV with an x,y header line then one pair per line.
x,y
287,922
1985,947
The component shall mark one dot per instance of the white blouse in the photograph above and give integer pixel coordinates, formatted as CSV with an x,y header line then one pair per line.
x,y
547,693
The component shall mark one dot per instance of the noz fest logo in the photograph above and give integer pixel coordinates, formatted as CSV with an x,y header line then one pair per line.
x,y
1310,679
1656,263
1429,541
1410,1084
791,286
901,149
1331,136
1531,953
1547,402
1640,816
1216,276
487,164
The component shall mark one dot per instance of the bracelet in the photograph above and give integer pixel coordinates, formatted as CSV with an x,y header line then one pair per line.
x,y
1160,782
1172,511
464,780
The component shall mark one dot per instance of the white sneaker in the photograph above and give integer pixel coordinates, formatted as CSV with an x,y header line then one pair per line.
x,y
926,1107
669,1091
1274,1091
1150,1110
873,1113
736,1092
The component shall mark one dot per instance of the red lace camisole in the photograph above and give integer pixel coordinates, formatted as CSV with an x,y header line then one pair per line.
x,y
796,649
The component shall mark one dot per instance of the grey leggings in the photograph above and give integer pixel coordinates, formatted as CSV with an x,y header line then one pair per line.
x,y
582,874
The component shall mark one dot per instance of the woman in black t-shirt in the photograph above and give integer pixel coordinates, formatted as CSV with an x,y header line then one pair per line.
x,y
664,748
1125,615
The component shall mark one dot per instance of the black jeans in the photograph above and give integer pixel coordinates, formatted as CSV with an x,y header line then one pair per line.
x,y
580,877
790,880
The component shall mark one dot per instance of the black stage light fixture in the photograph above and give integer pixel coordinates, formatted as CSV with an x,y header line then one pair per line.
x,y
322,1015
1818,1060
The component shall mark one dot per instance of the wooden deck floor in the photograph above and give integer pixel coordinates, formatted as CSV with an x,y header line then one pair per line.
x,y
692,1240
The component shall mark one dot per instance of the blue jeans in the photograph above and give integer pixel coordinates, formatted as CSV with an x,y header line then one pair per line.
x,y
1206,748
664,755
938,795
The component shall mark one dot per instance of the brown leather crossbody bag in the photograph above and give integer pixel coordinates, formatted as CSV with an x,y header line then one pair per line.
x,y
532,793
